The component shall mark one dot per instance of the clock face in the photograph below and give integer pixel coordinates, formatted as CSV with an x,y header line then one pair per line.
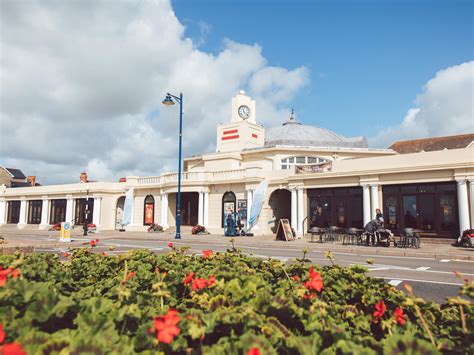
x,y
244,112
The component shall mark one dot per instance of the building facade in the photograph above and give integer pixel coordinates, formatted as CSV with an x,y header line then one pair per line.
x,y
308,169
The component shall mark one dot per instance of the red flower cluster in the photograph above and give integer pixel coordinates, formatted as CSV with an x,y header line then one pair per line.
x,y
314,282
400,316
207,254
66,254
165,326
199,283
128,277
104,253
13,273
12,348
170,245
94,243
253,351
380,309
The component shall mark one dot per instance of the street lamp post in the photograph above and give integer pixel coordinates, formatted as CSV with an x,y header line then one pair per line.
x,y
169,101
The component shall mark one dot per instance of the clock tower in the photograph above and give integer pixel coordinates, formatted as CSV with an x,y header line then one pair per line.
x,y
242,132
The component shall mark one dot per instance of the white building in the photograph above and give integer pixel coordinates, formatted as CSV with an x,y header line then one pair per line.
x,y
307,168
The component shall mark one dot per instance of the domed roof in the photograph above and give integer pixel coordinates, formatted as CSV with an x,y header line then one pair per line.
x,y
293,133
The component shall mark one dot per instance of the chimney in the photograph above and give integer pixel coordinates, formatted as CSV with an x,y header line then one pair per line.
x,y
123,179
83,177
32,180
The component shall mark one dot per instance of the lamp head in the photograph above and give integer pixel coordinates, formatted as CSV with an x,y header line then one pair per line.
x,y
168,101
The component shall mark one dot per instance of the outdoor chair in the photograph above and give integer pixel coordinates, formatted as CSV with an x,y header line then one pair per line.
x,y
409,239
316,231
351,236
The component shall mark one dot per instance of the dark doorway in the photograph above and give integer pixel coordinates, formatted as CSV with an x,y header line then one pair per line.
x,y
119,213
229,204
189,208
429,208
341,207
34,211
13,215
280,203
58,211
149,211
83,205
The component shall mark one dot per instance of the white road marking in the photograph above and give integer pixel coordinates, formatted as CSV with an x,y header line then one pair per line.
x,y
424,281
444,261
395,282
423,268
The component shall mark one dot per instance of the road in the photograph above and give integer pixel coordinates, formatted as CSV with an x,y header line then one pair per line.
x,y
430,278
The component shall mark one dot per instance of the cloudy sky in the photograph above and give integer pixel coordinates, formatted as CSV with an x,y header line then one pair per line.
x,y
81,82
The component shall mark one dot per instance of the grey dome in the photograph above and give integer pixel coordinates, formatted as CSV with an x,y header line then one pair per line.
x,y
293,133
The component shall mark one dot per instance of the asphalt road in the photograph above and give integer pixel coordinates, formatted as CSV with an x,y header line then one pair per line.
x,y
430,278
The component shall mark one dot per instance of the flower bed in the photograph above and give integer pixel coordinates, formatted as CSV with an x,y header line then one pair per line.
x,y
155,228
216,303
198,229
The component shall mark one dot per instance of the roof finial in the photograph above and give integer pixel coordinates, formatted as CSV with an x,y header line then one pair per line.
x,y
292,114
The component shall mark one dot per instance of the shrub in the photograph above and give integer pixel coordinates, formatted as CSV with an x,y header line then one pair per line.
x,y
222,303
155,228
198,229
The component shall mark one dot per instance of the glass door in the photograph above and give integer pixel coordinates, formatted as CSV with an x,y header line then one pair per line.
x,y
426,212
409,211
341,213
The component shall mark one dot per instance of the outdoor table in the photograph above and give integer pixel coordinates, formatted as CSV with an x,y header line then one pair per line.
x,y
352,236
316,231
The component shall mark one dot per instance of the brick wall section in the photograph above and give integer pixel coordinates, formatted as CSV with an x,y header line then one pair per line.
x,y
5,177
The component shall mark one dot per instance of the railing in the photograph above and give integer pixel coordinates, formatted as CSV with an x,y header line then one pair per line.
x,y
193,176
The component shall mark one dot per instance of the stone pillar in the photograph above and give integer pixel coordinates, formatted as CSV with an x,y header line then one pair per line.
x,y
206,210
69,209
97,212
463,206
22,219
3,208
44,214
249,205
471,199
300,211
294,209
374,192
366,203
164,210
201,208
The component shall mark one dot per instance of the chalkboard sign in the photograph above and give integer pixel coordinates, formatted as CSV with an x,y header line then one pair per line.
x,y
284,231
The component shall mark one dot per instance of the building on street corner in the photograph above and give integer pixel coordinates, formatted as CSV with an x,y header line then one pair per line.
x,y
426,184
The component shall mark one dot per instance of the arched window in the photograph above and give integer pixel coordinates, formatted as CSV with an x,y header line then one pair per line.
x,y
229,202
288,163
149,211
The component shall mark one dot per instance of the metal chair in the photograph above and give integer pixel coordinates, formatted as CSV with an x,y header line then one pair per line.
x,y
409,238
351,235
316,231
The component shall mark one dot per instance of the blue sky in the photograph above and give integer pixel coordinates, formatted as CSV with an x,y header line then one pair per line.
x,y
368,60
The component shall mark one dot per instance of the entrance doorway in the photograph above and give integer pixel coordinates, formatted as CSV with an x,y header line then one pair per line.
x,y
34,211
84,211
13,216
229,203
58,211
189,208
280,203
119,213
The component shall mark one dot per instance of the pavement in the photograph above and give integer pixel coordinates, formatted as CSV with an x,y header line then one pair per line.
x,y
429,270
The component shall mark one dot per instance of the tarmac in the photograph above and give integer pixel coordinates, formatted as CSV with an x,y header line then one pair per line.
x,y
28,240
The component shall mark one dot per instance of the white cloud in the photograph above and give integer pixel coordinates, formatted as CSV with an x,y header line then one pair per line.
x,y
445,107
81,85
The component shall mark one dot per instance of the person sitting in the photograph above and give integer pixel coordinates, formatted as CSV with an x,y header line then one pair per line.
x,y
379,216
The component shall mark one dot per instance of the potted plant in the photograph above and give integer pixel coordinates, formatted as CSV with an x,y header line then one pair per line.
x,y
155,228
198,229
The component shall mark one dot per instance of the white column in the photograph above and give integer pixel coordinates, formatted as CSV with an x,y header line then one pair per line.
x,y
3,207
463,206
44,214
374,192
366,203
300,211
69,206
294,209
249,204
206,210
22,219
164,210
471,198
97,211
200,209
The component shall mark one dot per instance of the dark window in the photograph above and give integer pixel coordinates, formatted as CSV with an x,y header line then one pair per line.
x,y
58,211
34,211
84,210
408,189
13,215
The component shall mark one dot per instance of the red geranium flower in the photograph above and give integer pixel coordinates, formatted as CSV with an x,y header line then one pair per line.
x,y
211,281
253,351
207,254
13,349
66,254
165,326
296,278
314,282
15,273
400,316
97,240
128,277
2,334
198,284
380,309
170,245
92,243
3,276
188,279
104,253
